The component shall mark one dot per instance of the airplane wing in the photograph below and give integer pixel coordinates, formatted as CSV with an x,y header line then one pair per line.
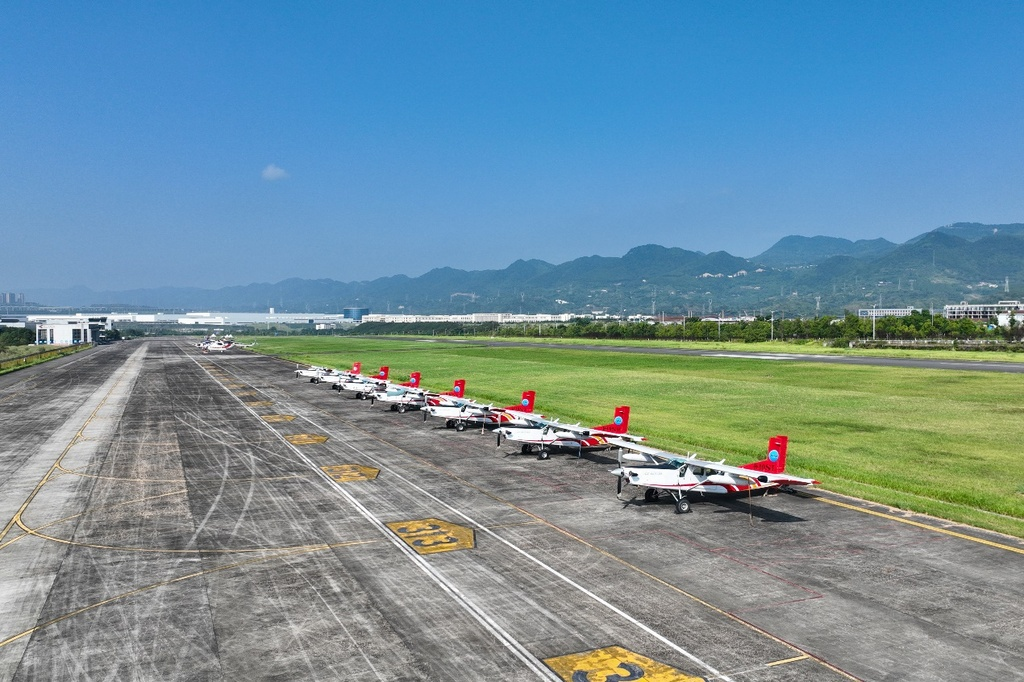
x,y
648,455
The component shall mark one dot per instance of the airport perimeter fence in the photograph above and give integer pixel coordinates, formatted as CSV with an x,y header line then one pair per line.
x,y
42,356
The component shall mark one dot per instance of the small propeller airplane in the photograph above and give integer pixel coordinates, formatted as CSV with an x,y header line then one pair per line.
x,y
404,396
550,435
318,374
361,385
212,343
686,476
460,412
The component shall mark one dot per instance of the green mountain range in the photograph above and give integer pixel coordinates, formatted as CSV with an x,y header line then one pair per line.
x,y
797,276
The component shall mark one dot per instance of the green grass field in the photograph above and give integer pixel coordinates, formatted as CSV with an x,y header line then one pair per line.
x,y
935,441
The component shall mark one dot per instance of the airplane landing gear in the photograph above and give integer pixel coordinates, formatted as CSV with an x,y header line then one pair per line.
x,y
525,449
543,454
682,505
460,426
651,495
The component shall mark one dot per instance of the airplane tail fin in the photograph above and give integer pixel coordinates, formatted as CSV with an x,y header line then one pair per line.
x,y
775,462
526,404
357,367
459,389
414,380
382,374
620,422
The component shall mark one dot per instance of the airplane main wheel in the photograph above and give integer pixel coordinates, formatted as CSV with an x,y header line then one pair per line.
x,y
401,409
543,454
525,449
361,396
682,505
651,495
449,424
460,426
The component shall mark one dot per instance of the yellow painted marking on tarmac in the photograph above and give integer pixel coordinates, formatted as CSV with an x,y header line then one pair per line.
x,y
54,468
260,403
612,557
347,473
278,418
245,394
788,660
75,516
305,438
164,583
614,663
431,536
918,524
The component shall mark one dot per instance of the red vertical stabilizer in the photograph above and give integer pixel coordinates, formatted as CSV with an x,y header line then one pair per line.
x,y
357,367
775,462
414,380
458,389
620,422
382,373
526,404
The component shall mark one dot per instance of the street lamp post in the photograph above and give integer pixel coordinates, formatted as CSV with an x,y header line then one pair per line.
x,y
773,325
873,316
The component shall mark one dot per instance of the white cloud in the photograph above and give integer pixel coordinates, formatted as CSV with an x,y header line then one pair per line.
x,y
272,172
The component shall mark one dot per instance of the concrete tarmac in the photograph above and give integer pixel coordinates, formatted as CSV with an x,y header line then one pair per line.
x,y
174,515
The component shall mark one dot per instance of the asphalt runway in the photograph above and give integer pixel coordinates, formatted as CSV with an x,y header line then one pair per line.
x,y
178,516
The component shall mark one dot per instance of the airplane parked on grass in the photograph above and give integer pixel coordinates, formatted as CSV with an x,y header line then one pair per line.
x,y
687,476
548,435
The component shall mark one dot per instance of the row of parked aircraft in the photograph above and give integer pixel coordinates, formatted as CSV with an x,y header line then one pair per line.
x,y
655,472
226,342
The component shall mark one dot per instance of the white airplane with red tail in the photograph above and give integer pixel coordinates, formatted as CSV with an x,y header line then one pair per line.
x,y
329,375
547,435
361,385
460,412
404,396
687,476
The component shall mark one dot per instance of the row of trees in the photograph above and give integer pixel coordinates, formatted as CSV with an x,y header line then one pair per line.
x,y
919,325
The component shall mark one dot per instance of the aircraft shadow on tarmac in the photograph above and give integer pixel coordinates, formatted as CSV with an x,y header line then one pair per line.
x,y
758,507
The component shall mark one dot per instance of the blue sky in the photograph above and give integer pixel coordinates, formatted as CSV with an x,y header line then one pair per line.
x,y
211,144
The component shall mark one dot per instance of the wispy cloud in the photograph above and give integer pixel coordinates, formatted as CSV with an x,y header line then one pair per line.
x,y
272,172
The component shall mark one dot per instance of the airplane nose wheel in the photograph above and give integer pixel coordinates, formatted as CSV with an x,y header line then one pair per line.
x,y
682,505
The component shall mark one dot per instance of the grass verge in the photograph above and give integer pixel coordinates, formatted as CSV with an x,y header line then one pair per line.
x,y
941,442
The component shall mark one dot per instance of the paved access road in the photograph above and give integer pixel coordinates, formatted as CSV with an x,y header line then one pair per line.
x,y
173,515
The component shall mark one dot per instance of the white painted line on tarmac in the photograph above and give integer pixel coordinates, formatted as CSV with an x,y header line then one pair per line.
x,y
475,611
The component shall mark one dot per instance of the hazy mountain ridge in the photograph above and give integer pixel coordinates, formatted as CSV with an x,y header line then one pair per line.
x,y
802,275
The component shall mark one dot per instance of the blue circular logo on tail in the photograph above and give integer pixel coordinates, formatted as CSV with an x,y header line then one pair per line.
x,y
458,389
618,421
525,402
773,456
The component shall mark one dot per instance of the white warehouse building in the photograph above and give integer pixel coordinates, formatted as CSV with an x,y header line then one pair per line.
x,y
67,330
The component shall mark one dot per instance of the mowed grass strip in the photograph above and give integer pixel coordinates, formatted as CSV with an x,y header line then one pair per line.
x,y
941,442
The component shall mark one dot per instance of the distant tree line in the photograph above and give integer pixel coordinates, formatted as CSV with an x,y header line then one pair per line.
x,y
839,330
